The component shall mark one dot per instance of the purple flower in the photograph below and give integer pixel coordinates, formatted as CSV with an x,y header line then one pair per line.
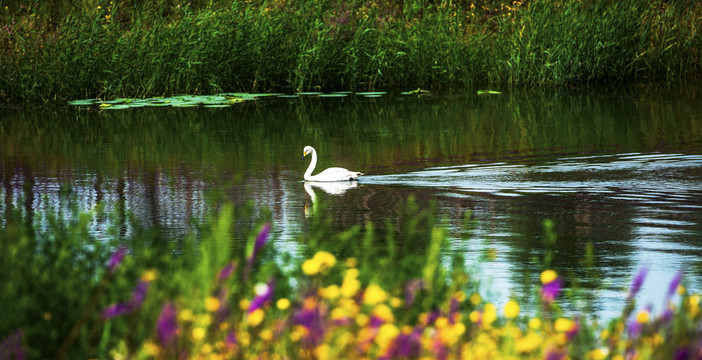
x,y
411,289
637,282
263,296
226,271
167,325
311,319
116,258
674,283
11,346
254,248
405,346
550,290
138,297
231,339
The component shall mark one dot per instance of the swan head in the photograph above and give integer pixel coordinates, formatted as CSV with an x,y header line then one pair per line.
x,y
306,151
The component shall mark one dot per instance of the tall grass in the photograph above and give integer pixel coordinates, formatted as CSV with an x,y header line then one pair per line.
x,y
131,48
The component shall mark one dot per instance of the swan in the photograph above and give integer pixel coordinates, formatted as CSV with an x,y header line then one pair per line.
x,y
331,174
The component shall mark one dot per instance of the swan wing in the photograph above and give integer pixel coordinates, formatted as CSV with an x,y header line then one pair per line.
x,y
336,174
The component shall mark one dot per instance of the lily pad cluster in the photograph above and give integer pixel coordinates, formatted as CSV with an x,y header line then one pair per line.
x,y
218,100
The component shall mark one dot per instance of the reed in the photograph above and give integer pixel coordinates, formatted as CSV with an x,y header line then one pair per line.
x,y
131,48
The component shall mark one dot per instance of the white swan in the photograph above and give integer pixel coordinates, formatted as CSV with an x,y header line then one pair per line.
x,y
331,174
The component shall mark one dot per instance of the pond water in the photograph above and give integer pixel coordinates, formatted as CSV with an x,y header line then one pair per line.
x,y
617,170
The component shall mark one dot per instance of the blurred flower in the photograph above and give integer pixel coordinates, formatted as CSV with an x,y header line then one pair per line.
x,y
212,304
528,343
321,262
226,271
512,309
11,346
282,304
116,258
255,317
637,283
551,286
256,247
167,325
374,294
138,297
674,283
264,295
412,287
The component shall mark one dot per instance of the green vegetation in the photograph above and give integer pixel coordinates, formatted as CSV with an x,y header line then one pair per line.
x,y
56,51
351,294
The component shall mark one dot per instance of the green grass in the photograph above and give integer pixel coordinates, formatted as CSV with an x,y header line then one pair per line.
x,y
127,48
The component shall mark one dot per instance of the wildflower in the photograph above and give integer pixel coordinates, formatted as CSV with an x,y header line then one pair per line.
x,y
282,304
489,314
116,258
138,297
11,346
264,295
411,289
407,345
511,309
386,334
167,325
255,317
198,333
535,323
321,262
374,294
212,304
528,343
350,285
149,275
674,283
637,282
226,272
643,316
693,303
551,286
255,248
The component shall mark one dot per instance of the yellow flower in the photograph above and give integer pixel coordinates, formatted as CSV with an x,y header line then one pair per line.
x,y
206,349
475,316
528,343
548,276
311,267
185,315
244,304
694,303
330,292
564,325
339,313
489,314
395,302
386,334
149,275
323,352
383,312
374,294
266,335
212,304
535,323
642,317
460,296
475,299
255,317
152,349
282,304
362,320
351,262
350,286
598,354
511,309
198,333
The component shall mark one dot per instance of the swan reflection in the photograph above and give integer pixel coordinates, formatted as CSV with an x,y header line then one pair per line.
x,y
331,188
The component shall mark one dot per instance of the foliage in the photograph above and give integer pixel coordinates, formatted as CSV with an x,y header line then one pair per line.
x,y
349,296
129,48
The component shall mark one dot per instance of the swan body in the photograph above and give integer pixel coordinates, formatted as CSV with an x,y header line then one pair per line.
x,y
331,174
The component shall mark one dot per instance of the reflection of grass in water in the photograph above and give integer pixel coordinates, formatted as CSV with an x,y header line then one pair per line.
x,y
51,52
65,295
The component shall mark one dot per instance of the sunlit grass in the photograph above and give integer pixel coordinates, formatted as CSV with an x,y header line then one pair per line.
x,y
108,49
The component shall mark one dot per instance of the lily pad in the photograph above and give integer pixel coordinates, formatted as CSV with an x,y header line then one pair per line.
x,y
489,92
86,102
333,95
372,93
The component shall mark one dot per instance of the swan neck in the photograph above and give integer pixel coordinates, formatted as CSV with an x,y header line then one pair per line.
x,y
313,164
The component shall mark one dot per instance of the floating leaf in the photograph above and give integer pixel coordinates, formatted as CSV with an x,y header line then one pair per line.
x,y
372,93
86,102
489,92
333,95
416,92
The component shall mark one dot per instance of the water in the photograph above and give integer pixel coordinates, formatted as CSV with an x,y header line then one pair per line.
x,y
617,170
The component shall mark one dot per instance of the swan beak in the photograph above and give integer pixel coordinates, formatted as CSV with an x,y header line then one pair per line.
x,y
303,155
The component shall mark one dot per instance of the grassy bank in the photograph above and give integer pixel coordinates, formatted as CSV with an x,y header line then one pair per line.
x,y
355,294
90,48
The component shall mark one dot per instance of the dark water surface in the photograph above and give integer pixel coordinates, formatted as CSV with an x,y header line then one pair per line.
x,y
617,170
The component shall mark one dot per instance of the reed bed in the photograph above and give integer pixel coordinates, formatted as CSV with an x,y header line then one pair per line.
x,y
353,295
87,49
